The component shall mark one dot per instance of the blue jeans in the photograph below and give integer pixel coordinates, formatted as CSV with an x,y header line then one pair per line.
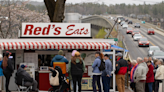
x,y
150,86
106,83
96,78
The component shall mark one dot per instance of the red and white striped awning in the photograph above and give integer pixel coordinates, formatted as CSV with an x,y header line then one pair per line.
x,y
49,44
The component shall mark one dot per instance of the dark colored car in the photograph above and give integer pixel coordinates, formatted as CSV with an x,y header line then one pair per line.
x,y
126,20
143,42
137,25
130,22
135,32
129,30
150,31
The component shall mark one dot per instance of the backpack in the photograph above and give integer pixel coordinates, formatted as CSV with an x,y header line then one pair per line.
x,y
102,66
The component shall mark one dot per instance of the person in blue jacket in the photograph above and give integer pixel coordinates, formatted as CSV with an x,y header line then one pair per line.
x,y
1,72
59,58
96,72
106,74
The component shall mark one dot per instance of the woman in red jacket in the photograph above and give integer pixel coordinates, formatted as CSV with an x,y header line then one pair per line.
x,y
149,78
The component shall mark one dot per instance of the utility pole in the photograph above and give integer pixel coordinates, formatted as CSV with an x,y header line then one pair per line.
x,y
112,28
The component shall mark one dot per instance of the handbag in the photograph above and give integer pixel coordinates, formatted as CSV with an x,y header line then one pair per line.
x,y
54,81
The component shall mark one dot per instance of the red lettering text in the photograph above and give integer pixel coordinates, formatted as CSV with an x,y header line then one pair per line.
x,y
72,31
57,31
37,30
28,28
46,30
69,30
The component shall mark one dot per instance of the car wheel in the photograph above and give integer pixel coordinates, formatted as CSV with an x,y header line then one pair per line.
x,y
138,45
148,46
139,27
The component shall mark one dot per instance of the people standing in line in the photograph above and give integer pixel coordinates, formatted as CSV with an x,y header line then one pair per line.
x,y
150,59
132,84
159,76
149,78
60,60
140,75
8,69
121,70
154,71
23,76
96,72
106,74
1,72
76,68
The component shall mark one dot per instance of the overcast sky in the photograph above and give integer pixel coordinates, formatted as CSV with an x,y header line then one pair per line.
x,y
112,1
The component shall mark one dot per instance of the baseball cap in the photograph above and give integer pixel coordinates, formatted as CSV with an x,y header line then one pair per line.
x,y
7,53
23,66
119,54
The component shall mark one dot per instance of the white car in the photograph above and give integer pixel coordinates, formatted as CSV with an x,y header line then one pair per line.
x,y
136,37
123,22
125,26
152,49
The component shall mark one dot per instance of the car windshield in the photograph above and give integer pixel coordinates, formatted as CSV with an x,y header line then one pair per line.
x,y
143,39
137,35
136,31
130,28
151,29
154,48
158,53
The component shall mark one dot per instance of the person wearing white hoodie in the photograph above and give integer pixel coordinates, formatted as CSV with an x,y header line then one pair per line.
x,y
159,76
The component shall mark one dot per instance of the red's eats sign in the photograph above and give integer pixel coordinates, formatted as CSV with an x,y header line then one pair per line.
x,y
56,30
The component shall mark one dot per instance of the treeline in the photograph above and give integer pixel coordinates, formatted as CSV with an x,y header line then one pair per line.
x,y
156,10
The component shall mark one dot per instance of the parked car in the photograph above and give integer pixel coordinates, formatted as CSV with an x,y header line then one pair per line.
x,y
123,22
129,30
130,22
150,31
137,25
135,32
125,26
143,42
158,55
152,49
136,37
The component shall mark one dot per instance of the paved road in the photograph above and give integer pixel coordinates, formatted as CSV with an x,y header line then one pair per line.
x,y
132,46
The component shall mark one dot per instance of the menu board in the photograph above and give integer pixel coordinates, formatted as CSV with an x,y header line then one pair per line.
x,y
31,58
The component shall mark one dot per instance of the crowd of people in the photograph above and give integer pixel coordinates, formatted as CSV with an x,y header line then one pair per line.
x,y
146,74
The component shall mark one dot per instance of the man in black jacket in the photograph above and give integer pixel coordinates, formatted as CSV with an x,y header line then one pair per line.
x,y
121,70
23,78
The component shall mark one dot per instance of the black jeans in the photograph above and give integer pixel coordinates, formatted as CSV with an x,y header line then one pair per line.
x,y
76,78
7,76
96,78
